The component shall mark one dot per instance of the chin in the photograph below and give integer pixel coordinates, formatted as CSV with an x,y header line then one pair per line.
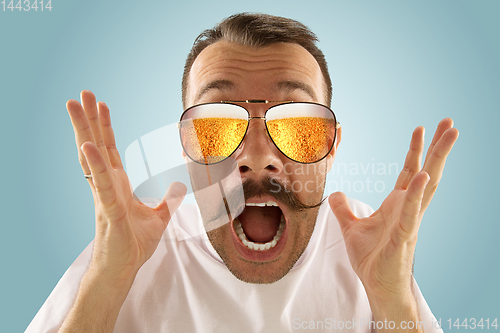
x,y
263,244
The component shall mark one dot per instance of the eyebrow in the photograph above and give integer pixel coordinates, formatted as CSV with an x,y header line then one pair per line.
x,y
290,86
287,86
218,84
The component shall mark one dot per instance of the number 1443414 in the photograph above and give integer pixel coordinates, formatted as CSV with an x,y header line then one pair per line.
x,y
26,5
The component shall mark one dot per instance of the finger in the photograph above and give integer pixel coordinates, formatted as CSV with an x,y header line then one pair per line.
x,y
90,107
342,210
171,201
413,159
101,176
89,179
436,161
109,136
442,127
410,219
81,127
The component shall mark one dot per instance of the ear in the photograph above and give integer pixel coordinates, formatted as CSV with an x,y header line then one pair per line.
x,y
331,156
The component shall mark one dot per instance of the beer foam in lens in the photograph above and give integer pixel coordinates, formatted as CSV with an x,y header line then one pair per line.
x,y
217,138
303,139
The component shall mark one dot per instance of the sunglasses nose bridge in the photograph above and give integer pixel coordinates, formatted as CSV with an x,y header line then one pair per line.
x,y
264,128
257,153
261,131
252,128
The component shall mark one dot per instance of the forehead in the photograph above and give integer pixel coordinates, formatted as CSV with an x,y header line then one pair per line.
x,y
280,71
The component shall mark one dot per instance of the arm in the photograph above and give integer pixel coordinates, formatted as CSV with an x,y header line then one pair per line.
x,y
97,304
127,232
381,246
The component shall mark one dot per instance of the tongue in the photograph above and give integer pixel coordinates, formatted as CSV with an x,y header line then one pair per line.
x,y
260,223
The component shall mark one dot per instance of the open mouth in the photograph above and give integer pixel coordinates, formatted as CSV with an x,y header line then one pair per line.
x,y
255,245
260,229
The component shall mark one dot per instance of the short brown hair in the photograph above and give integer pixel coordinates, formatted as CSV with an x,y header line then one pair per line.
x,y
255,30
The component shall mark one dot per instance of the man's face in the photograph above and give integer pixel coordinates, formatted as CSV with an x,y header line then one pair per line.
x,y
279,72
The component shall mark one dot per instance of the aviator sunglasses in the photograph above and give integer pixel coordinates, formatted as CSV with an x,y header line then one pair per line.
x,y
303,131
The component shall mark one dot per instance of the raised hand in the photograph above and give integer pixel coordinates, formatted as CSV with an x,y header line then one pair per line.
x,y
381,247
127,231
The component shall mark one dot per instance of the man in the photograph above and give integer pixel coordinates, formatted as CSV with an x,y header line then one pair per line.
x,y
282,264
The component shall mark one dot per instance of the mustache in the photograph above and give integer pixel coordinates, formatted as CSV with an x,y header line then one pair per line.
x,y
281,191
234,201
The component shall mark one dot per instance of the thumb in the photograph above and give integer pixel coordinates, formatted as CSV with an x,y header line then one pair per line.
x,y
342,210
171,201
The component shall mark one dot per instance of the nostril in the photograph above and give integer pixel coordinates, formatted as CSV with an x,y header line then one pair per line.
x,y
271,168
244,168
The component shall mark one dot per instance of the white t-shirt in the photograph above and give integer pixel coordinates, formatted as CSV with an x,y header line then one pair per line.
x,y
185,287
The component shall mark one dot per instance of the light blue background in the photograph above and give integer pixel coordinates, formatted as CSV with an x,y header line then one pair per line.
x,y
394,64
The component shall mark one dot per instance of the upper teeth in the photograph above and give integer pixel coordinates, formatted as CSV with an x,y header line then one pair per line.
x,y
262,204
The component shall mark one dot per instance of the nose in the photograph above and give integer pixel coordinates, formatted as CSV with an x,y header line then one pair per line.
x,y
257,156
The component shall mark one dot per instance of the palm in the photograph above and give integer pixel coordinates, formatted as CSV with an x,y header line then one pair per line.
x,y
141,226
370,240
380,247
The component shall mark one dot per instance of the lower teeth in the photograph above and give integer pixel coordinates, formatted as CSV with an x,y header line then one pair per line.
x,y
258,246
